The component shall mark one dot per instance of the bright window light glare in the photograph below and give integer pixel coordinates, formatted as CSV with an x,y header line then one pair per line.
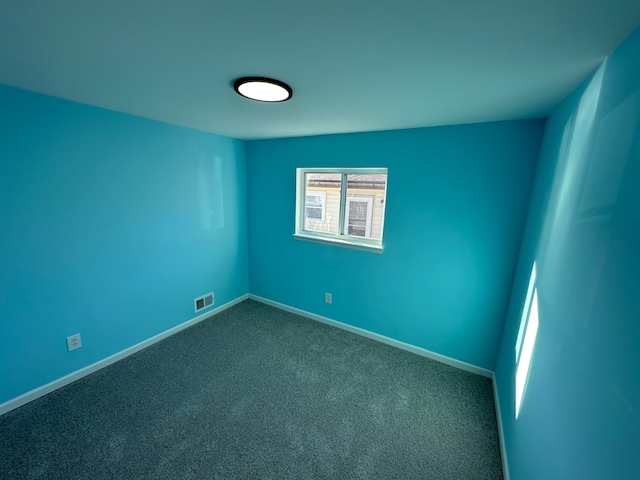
x,y
522,371
263,91
525,311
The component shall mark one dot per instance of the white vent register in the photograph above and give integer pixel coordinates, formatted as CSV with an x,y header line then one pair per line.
x,y
203,302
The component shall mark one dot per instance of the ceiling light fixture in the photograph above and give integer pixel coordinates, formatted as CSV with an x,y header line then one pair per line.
x,y
263,89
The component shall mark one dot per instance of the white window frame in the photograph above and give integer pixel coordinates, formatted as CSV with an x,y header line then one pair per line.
x,y
341,238
360,198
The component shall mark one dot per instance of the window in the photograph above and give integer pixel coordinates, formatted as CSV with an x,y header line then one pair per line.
x,y
359,215
315,206
341,206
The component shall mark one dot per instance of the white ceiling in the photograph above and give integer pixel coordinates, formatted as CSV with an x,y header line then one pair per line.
x,y
354,65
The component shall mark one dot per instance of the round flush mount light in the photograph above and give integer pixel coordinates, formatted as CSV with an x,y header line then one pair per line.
x,y
263,89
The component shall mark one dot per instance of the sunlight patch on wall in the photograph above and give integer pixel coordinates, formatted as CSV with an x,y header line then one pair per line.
x,y
527,335
525,311
574,152
573,159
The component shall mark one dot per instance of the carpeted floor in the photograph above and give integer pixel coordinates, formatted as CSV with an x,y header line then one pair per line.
x,y
258,393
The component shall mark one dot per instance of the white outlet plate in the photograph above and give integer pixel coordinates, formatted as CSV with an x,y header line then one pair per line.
x,y
74,342
328,298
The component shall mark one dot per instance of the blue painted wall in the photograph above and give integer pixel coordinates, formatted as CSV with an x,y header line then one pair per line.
x,y
110,226
456,207
580,417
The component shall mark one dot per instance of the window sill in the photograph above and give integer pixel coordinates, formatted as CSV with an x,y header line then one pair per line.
x,y
338,242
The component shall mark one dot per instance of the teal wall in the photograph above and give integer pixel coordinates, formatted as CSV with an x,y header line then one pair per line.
x,y
456,207
110,226
580,417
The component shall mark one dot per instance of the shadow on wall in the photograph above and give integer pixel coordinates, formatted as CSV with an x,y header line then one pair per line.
x,y
210,197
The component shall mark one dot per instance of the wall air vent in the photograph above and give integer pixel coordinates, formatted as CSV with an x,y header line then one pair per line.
x,y
203,302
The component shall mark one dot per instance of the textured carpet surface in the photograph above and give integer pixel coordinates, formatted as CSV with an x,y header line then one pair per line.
x,y
258,393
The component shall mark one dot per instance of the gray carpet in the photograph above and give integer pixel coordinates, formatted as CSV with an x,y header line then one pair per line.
x,y
257,393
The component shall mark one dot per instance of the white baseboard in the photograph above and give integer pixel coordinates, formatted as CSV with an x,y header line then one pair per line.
x,y
503,449
380,338
83,372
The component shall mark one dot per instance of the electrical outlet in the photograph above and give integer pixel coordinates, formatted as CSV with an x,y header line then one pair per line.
x,y
74,342
328,298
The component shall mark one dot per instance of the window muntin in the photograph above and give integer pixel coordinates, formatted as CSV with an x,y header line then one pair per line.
x,y
342,206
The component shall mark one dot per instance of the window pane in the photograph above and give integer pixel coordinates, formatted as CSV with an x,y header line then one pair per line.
x,y
322,202
315,200
314,213
365,205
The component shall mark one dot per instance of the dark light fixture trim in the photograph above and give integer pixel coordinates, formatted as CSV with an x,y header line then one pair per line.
x,y
241,81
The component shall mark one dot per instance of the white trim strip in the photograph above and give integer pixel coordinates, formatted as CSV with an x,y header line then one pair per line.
x,y
83,372
503,449
350,171
339,242
380,338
